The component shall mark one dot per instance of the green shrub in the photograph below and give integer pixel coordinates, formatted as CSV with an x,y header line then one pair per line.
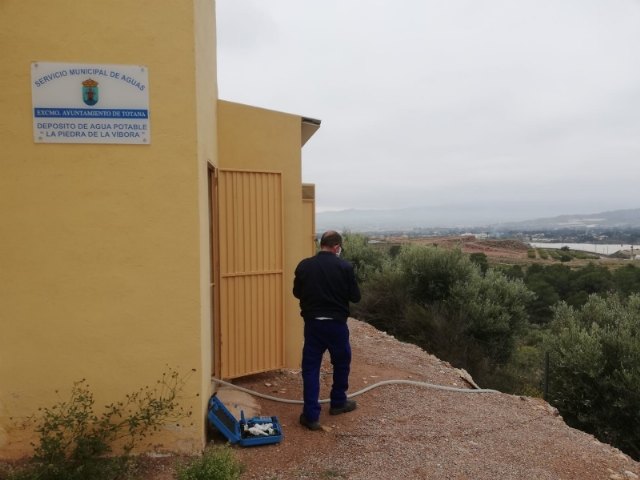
x,y
384,300
522,374
366,260
75,442
218,463
540,309
554,254
592,279
595,379
394,250
512,271
627,280
585,255
439,300
531,253
553,283
481,260
430,273
494,311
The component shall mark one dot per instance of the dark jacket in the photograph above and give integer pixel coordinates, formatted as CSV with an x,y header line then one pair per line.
x,y
325,284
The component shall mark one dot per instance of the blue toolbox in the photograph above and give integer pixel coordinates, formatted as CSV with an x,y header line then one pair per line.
x,y
247,433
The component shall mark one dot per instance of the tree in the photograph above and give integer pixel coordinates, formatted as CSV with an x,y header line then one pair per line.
x,y
595,368
384,301
430,273
494,309
546,297
480,259
365,258
439,300
627,280
559,277
592,279
558,282
513,272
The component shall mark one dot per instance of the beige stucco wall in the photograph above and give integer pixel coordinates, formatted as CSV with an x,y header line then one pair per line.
x,y
104,249
252,138
207,154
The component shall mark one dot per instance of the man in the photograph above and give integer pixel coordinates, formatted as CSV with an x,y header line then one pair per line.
x,y
325,284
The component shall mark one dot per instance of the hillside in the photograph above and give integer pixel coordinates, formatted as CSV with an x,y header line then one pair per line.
x,y
411,432
613,219
494,218
497,250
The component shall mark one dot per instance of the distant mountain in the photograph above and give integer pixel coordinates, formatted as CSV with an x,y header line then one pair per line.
x,y
406,218
614,219
467,216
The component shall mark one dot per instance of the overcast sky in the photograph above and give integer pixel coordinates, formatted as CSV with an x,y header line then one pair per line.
x,y
526,107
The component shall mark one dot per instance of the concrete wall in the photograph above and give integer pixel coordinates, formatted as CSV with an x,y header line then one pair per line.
x,y
104,249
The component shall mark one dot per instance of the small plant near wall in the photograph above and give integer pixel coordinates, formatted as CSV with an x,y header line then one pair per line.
x,y
77,443
216,463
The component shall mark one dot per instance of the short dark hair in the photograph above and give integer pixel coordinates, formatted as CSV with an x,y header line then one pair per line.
x,y
330,238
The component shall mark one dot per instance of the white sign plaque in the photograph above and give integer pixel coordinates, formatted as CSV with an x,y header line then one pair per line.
x,y
80,103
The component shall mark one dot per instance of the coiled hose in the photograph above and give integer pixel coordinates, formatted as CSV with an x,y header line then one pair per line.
x,y
359,392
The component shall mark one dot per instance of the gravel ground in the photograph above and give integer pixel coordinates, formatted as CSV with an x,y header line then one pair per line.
x,y
401,431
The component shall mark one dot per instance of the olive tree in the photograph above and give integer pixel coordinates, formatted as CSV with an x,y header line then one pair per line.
x,y
595,368
440,300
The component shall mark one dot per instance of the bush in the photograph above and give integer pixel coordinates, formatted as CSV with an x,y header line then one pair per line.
x,y
384,300
523,374
439,300
493,309
592,279
627,280
595,379
540,309
430,273
585,256
512,272
75,441
215,464
366,260
481,260
554,283
554,254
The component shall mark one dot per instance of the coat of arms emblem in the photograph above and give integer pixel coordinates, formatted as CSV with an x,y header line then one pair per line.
x,y
90,92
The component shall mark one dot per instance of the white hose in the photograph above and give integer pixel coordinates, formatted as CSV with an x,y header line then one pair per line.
x,y
359,392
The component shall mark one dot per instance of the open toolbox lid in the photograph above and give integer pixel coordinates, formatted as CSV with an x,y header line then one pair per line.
x,y
255,431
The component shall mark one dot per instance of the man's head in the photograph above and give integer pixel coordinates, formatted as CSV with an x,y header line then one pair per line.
x,y
331,241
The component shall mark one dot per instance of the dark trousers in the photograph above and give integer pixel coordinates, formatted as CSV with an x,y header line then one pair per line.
x,y
319,336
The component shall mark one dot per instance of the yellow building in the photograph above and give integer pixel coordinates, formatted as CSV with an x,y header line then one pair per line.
x,y
117,258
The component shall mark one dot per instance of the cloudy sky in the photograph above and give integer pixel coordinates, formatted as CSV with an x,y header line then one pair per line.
x,y
523,107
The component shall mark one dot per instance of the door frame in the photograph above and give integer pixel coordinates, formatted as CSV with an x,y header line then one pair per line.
x,y
214,252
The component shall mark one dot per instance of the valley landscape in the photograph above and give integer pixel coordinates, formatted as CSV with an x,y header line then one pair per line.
x,y
452,219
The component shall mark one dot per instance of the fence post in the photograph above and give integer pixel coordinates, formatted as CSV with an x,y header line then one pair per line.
x,y
546,377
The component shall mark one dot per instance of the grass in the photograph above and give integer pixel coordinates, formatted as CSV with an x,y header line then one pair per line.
x,y
332,474
216,463
556,254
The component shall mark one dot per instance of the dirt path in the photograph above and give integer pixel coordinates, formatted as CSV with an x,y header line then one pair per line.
x,y
411,432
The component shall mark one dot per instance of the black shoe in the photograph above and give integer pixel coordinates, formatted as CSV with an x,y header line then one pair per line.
x,y
310,425
349,406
